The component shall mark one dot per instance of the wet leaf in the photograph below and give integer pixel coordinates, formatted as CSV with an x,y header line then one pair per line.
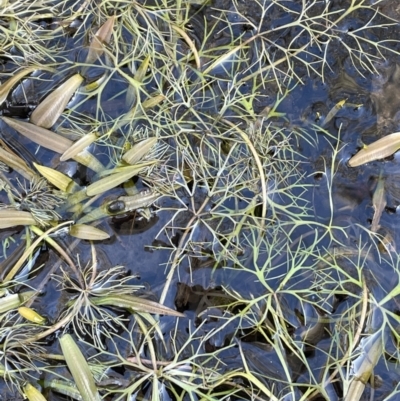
x,y
59,180
112,181
332,112
64,387
379,203
79,369
136,304
39,135
86,232
379,149
102,36
88,160
32,393
139,150
11,218
49,110
17,164
30,315
79,146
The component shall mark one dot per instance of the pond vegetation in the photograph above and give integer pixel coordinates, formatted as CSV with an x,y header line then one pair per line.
x,y
179,216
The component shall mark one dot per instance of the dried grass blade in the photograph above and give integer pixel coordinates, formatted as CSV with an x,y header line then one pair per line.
x,y
17,164
10,218
136,304
102,36
112,181
88,160
79,146
32,393
379,149
79,369
379,203
39,135
59,180
86,232
139,150
49,110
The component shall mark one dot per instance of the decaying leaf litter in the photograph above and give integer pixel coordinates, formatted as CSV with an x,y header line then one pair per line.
x,y
183,203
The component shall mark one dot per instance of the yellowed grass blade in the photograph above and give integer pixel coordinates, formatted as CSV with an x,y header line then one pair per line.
x,y
112,181
49,110
136,304
332,112
79,369
379,149
8,85
30,315
32,393
139,150
12,218
88,160
17,164
59,180
83,231
39,135
102,36
79,146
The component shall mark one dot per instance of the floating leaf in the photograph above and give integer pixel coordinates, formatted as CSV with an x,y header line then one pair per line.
x,y
137,304
112,181
49,110
88,160
39,135
379,149
84,231
139,150
102,36
59,180
17,164
79,146
31,315
11,218
379,203
332,112
32,393
79,369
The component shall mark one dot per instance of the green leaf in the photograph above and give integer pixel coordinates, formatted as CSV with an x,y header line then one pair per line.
x,y
79,369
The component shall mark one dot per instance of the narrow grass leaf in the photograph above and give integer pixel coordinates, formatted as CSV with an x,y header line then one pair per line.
x,y
112,181
332,112
59,180
88,160
79,146
32,393
30,315
379,203
49,110
102,36
39,135
379,149
136,304
139,150
79,369
11,218
83,231
17,164
64,387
